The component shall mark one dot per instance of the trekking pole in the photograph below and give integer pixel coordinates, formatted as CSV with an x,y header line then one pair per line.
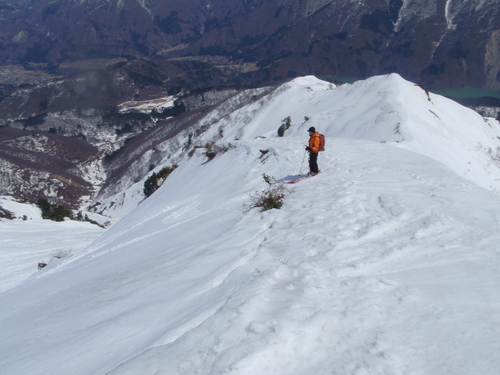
x,y
301,165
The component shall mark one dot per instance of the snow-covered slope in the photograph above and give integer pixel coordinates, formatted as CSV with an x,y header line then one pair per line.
x,y
385,263
27,240
380,109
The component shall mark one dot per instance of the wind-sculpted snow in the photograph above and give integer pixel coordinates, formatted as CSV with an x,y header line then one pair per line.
x,y
385,263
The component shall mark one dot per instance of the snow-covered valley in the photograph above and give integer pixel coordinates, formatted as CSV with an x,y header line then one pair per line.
x,y
385,263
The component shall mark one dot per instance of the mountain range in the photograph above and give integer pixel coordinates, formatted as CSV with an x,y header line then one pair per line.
x,y
436,43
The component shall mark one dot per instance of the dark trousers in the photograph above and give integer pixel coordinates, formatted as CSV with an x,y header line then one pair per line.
x,y
313,162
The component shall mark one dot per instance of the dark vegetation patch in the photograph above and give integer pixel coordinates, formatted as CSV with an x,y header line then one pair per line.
x,y
50,10
211,23
374,47
394,8
127,128
38,53
33,120
170,25
6,214
278,12
362,67
154,181
52,211
458,51
378,22
405,50
341,36
113,116
139,43
144,80
251,40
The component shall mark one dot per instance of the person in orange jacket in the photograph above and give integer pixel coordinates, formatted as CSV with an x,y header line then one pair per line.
x,y
313,148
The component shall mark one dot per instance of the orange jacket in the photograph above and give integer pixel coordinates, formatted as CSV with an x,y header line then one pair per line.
x,y
314,143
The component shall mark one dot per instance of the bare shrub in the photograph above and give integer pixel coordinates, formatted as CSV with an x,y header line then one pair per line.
x,y
269,198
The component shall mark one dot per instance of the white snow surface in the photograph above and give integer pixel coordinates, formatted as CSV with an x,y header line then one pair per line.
x,y
28,240
385,263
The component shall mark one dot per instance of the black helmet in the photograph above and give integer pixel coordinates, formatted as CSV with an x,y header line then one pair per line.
x,y
312,130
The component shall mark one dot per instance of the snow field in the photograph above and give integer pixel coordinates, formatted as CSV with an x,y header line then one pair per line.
x,y
386,263
346,288
24,243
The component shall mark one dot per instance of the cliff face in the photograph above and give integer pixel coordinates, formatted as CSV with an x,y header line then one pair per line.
x,y
439,43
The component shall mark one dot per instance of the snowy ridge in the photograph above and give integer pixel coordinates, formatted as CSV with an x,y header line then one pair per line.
x,y
387,263
379,109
